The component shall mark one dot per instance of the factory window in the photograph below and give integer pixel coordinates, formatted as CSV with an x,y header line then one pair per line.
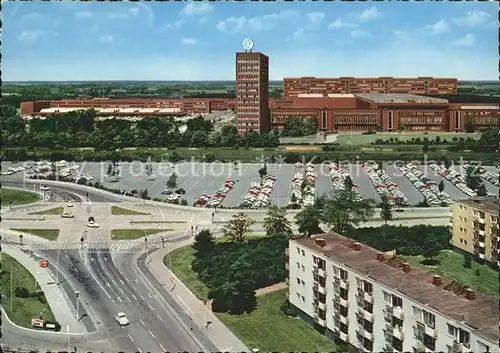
x,y
389,120
457,120
323,119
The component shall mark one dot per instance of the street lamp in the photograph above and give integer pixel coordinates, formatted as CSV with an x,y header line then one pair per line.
x,y
77,306
21,239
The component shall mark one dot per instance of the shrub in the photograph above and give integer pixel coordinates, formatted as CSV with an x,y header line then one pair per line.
x,y
288,309
22,292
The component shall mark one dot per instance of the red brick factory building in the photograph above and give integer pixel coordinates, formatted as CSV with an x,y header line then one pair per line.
x,y
337,104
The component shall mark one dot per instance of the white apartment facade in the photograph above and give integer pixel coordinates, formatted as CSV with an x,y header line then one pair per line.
x,y
350,303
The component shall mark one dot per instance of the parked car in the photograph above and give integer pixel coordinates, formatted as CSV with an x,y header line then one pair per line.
x,y
44,188
67,215
121,319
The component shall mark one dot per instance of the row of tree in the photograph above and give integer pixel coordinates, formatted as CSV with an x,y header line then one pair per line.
x,y
297,126
83,129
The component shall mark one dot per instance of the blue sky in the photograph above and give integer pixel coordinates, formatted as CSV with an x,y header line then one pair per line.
x,y
197,40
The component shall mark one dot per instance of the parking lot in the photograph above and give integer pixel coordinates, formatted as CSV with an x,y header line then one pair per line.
x,y
207,178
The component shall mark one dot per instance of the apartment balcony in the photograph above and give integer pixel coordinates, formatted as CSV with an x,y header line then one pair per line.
x,y
319,305
481,256
319,271
419,346
319,288
319,320
342,283
368,297
368,335
481,220
481,233
344,320
481,244
344,337
398,333
431,332
398,313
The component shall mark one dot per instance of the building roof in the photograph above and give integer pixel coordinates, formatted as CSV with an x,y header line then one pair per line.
x,y
480,314
481,107
398,98
486,204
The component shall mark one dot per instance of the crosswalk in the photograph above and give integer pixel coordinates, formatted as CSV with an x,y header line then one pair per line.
x,y
126,246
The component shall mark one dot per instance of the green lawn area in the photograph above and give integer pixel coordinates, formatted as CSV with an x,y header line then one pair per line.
x,y
451,266
266,327
49,234
18,197
127,234
23,309
51,211
120,211
357,139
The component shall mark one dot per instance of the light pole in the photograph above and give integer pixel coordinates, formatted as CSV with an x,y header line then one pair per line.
x,y
11,290
69,337
77,306
57,266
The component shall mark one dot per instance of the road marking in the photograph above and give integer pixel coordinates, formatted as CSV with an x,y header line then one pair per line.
x,y
131,338
122,282
151,333
142,322
107,284
163,348
114,282
149,295
183,303
126,279
139,350
150,307
66,256
135,289
143,297
120,299
130,301
104,290
159,317
133,296
121,291
136,281
105,258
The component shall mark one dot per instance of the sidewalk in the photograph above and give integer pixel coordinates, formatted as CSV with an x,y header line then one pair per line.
x,y
218,333
63,313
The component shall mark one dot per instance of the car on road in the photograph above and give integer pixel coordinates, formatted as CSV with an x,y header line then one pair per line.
x,y
122,320
167,192
92,224
44,188
67,215
70,204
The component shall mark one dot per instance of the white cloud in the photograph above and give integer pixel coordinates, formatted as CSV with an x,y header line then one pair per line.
x,y
83,14
401,34
106,39
202,20
298,34
30,36
134,11
34,16
338,24
176,24
189,41
316,17
465,41
472,18
254,24
149,13
196,8
118,15
95,28
369,14
437,28
359,33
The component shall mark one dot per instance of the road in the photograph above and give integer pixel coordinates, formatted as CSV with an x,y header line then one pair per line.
x,y
107,290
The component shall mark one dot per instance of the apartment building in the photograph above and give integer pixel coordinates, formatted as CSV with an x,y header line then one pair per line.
x,y
377,302
474,226
252,92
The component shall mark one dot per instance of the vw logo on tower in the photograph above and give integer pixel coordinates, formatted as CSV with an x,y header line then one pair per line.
x,y
247,44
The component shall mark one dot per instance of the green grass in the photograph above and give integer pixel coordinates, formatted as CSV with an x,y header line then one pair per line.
x,y
127,234
266,327
120,211
357,139
23,309
18,197
49,234
52,211
451,266
148,222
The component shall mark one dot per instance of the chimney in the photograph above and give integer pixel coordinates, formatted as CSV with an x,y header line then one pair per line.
x,y
436,280
356,247
320,242
470,294
380,256
406,267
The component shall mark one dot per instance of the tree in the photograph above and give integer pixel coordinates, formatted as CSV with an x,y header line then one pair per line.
x,y
386,209
441,186
238,227
276,224
481,190
472,180
467,261
263,171
204,243
402,128
308,221
172,181
343,210
348,183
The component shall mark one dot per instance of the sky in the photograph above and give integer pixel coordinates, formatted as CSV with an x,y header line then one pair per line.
x,y
187,41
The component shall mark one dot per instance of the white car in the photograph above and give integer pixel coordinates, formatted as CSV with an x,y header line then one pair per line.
x,y
70,204
67,215
93,225
122,320
44,188
298,165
